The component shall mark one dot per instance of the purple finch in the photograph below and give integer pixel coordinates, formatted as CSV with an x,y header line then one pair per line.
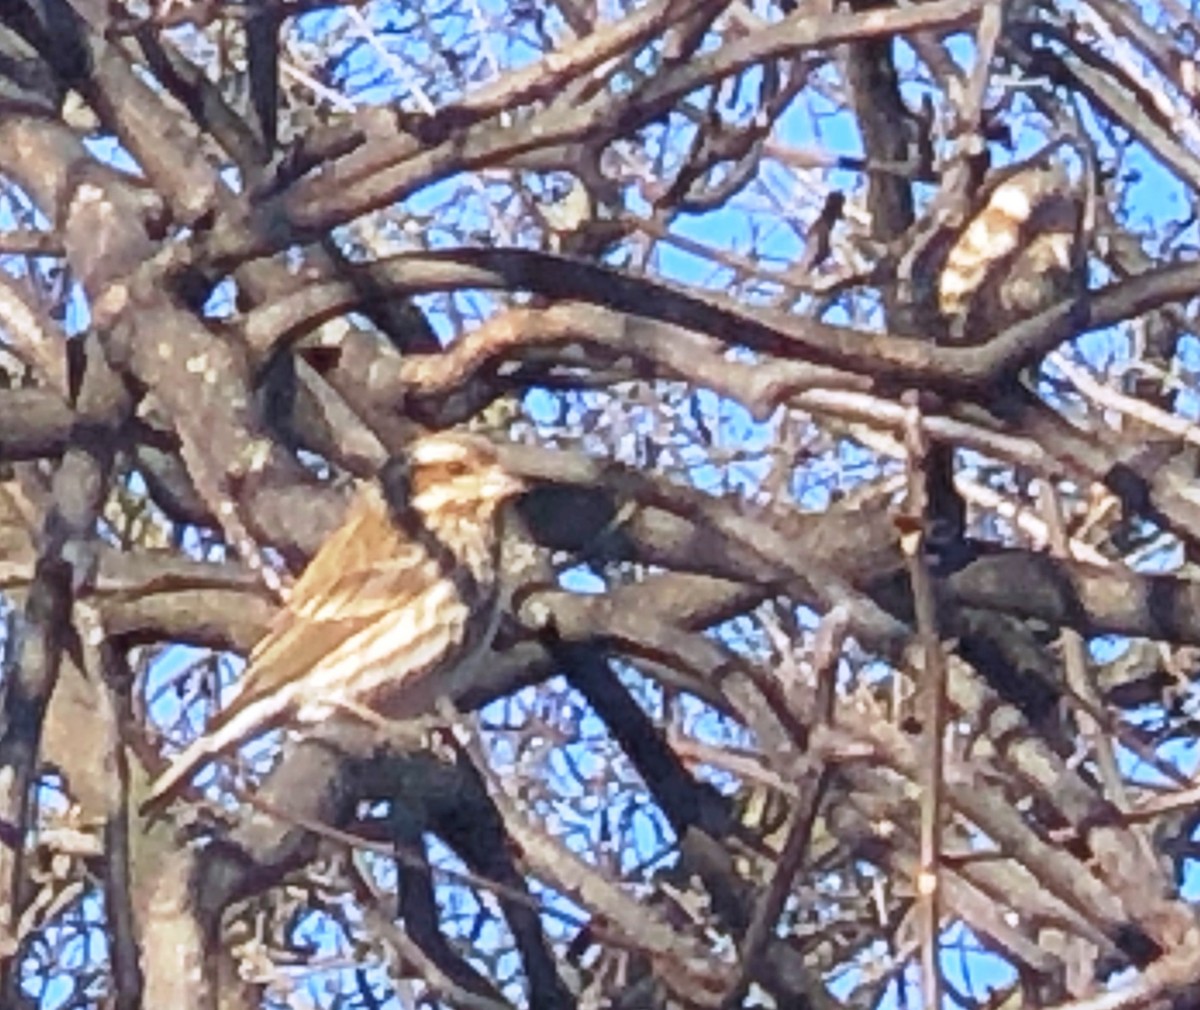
x,y
391,614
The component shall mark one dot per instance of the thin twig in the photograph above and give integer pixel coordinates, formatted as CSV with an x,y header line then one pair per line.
x,y
827,650
931,703
1076,665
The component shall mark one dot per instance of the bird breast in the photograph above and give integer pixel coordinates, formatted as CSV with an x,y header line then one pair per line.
x,y
400,664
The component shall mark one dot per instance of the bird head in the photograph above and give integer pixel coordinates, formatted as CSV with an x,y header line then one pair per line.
x,y
438,475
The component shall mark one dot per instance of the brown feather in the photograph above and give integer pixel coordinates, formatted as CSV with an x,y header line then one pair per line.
x,y
390,613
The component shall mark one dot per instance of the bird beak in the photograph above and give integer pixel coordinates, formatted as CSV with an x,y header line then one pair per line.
x,y
503,484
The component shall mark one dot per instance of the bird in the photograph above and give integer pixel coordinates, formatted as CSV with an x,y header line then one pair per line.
x,y
392,613
1019,254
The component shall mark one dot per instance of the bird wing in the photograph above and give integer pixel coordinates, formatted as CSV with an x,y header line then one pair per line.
x,y
358,576
365,570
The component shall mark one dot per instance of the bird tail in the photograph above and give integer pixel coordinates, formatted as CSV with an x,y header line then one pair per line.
x,y
241,725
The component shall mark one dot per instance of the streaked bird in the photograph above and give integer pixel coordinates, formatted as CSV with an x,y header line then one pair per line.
x,y
392,612
1016,257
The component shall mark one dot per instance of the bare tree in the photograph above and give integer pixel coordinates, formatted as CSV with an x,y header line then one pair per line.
x,y
849,623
